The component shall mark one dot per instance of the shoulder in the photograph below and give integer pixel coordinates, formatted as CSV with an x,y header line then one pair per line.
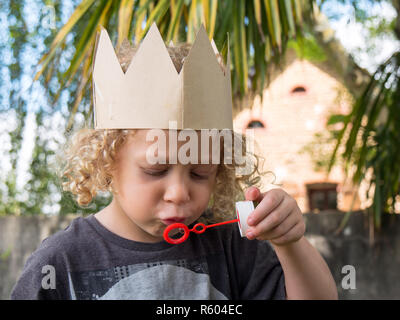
x,y
50,259
57,247
76,232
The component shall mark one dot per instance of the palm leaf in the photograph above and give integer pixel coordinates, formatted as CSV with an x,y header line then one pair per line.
x,y
257,17
213,18
81,90
125,15
87,40
192,23
289,16
372,115
156,14
76,15
175,20
140,14
373,144
274,23
206,13
239,44
297,10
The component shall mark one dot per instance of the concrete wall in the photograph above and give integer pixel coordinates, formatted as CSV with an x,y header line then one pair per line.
x,y
19,237
376,266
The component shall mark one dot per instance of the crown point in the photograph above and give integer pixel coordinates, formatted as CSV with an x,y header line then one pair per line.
x,y
153,28
153,34
203,30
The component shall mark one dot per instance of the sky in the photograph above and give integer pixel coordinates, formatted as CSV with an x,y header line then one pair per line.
x,y
351,34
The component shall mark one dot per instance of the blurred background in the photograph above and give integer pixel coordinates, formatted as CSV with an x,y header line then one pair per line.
x,y
318,81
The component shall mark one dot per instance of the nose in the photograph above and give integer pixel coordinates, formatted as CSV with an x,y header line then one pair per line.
x,y
177,190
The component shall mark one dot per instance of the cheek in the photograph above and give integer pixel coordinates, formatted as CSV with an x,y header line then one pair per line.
x,y
136,196
134,185
202,194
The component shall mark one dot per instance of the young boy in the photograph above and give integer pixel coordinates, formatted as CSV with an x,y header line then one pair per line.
x,y
119,253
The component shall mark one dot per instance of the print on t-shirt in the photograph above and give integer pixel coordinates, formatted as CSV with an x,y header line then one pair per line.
x,y
174,279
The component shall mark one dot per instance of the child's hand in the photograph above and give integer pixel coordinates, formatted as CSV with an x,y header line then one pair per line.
x,y
276,218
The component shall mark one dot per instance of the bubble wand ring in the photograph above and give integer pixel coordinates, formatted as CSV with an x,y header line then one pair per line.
x,y
197,228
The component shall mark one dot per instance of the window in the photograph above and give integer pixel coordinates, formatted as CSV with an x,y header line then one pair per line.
x,y
322,196
298,90
254,124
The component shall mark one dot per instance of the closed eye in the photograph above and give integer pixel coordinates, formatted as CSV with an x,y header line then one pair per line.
x,y
160,173
156,173
198,176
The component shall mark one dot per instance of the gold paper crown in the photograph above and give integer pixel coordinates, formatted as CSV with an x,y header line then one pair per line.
x,y
151,92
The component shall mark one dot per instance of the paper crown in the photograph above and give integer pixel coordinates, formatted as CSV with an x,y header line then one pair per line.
x,y
151,92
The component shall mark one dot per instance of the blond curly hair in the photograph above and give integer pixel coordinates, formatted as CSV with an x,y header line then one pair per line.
x,y
89,158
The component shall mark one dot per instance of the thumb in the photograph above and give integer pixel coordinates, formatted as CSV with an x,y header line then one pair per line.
x,y
252,194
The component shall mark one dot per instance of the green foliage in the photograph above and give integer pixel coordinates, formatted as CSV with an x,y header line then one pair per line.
x,y
16,32
320,150
5,255
43,184
307,48
372,138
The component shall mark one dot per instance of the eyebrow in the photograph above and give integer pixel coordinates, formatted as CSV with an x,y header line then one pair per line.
x,y
142,158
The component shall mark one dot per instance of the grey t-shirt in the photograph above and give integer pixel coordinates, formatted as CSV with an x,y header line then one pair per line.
x,y
87,261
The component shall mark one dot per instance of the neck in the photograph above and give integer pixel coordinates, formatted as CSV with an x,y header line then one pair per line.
x,y
115,220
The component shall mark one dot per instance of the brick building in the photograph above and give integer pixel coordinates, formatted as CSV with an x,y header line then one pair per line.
x,y
296,106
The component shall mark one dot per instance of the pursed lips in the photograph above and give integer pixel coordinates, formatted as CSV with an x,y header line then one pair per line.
x,y
173,220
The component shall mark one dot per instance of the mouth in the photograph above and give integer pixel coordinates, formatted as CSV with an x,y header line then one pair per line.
x,y
172,220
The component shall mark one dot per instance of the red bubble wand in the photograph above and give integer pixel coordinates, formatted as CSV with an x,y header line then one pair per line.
x,y
198,228
243,209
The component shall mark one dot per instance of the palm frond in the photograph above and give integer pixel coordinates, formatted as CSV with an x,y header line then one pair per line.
x,y
372,137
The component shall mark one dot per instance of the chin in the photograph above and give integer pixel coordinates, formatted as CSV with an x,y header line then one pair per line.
x,y
154,237
157,233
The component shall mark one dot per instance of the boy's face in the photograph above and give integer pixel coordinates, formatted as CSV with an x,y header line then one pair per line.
x,y
151,196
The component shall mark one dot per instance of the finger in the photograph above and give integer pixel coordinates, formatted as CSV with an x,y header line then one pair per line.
x,y
282,228
278,222
292,235
253,194
270,202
